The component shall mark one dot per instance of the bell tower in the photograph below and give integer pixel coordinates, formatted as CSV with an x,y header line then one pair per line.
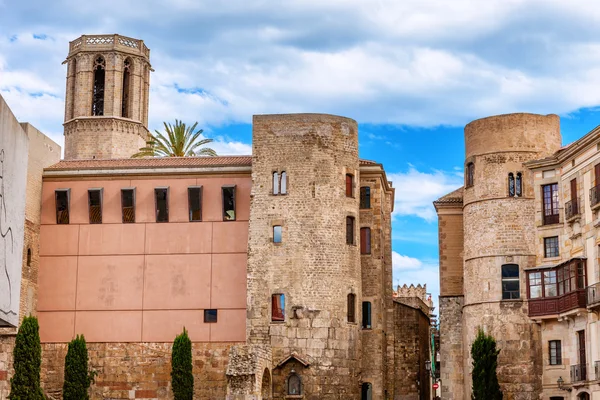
x,y
106,104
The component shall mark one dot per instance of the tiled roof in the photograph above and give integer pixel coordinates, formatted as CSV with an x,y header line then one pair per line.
x,y
452,197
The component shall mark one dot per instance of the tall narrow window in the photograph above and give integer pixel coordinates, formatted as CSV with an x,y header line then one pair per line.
x,y
161,196
98,88
550,283
278,307
125,108
535,285
294,385
351,307
128,205
349,230
550,204
554,346
573,209
349,185
551,247
228,203
73,86
277,234
511,184
61,198
365,240
29,257
366,315
283,187
275,182
95,205
519,185
195,203
581,281
470,175
366,391
365,197
510,282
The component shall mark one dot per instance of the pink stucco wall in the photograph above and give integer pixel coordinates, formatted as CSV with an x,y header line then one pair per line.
x,y
144,281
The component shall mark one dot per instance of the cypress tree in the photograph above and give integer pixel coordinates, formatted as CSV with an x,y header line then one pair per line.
x,y
485,360
77,376
182,379
25,384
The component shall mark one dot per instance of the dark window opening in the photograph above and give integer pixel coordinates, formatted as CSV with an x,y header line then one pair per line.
x,y
365,240
511,184
125,109
550,203
228,203
349,185
470,175
195,203
551,247
210,316
554,347
366,315
349,230
128,205
365,197
294,384
519,188
351,307
61,198
278,307
73,87
98,88
510,282
277,234
29,257
95,205
366,391
162,204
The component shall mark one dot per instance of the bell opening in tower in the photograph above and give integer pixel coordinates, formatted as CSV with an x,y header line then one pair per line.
x,y
126,84
98,90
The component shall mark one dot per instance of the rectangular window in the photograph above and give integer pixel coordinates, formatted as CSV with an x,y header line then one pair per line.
x,y
210,316
550,284
283,188
349,185
365,240
228,203
510,282
61,198
470,175
128,205
535,285
277,234
161,196
554,347
95,205
275,182
195,203
580,275
351,307
550,203
366,315
278,307
365,197
551,246
349,230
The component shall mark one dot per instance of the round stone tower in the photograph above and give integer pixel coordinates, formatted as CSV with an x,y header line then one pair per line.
x,y
314,272
106,104
499,243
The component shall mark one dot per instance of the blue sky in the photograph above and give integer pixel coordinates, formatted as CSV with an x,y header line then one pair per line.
x,y
411,72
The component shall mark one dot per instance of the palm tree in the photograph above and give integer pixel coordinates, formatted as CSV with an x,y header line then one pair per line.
x,y
180,141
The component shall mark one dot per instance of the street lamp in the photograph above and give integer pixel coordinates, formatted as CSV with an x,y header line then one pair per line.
x,y
560,382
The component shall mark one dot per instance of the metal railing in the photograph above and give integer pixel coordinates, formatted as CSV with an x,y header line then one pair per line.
x,y
593,294
572,209
594,195
552,218
578,373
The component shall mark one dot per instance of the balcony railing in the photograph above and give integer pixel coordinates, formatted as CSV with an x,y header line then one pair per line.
x,y
578,373
597,369
593,295
594,195
557,304
572,209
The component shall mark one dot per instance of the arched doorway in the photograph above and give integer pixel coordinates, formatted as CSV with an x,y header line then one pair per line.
x,y
583,396
266,385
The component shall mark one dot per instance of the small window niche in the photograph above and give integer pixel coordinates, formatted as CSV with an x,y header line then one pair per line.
x,y
161,195
366,315
366,391
210,316
278,307
365,240
349,185
128,205
519,185
511,184
228,193
365,197
195,203
350,230
351,308
470,175
95,205
277,234
29,257
294,384
62,199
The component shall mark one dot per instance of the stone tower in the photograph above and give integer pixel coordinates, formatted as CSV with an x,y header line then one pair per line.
x,y
314,267
499,231
106,106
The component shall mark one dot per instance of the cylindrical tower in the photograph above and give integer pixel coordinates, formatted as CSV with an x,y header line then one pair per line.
x,y
106,102
304,292
499,243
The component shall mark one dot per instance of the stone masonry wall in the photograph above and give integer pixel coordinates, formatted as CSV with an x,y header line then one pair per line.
x,y
451,348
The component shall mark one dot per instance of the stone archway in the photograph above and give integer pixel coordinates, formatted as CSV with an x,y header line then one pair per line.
x,y
266,386
583,396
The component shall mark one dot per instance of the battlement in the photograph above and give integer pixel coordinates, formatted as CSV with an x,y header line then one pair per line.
x,y
99,43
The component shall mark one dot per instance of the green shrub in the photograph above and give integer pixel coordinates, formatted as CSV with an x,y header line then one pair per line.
x,y
25,383
485,360
182,379
77,376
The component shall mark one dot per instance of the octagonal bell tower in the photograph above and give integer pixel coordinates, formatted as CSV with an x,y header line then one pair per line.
x,y
106,104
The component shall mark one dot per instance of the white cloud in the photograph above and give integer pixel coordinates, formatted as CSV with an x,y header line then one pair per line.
x,y
416,191
407,270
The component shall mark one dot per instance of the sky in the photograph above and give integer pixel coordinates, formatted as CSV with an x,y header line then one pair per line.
x,y
412,73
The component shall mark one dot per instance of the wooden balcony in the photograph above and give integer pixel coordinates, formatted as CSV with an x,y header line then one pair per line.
x,y
557,304
572,209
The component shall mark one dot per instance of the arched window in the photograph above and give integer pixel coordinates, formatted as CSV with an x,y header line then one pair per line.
x,y
470,174
366,391
519,185
351,307
125,106
294,384
275,182
511,184
283,187
28,257
98,88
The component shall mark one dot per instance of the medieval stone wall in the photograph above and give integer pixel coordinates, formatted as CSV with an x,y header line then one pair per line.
x,y
451,348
